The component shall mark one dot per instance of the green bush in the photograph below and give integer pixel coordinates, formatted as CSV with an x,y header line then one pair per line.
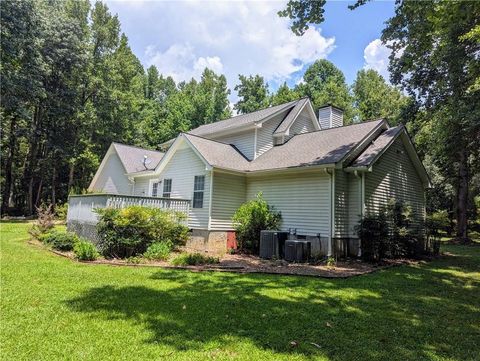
x,y
193,259
59,240
61,211
85,251
373,232
130,231
439,222
159,251
251,218
390,233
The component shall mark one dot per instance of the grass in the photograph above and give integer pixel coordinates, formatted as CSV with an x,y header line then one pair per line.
x,y
53,308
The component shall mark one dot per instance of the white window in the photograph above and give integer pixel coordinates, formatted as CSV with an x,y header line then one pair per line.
x,y
198,189
155,186
167,188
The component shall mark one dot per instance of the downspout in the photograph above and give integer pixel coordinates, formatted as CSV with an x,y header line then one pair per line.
x,y
210,196
362,204
331,172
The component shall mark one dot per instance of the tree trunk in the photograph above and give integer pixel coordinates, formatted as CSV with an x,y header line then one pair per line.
x,y
462,198
71,174
54,175
7,190
39,193
31,162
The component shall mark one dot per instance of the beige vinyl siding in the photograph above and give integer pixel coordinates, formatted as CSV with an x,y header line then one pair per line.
x,y
394,176
141,186
265,133
341,203
112,178
354,203
182,169
303,199
303,124
228,194
245,142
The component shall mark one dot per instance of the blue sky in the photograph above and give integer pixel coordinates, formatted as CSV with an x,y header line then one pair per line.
x,y
247,37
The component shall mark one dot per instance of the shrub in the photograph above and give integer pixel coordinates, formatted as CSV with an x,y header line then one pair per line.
x,y
193,259
45,220
251,218
401,241
159,251
391,233
373,232
61,211
85,250
439,221
59,240
130,231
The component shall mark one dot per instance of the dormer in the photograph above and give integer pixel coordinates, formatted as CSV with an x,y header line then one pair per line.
x,y
301,119
255,133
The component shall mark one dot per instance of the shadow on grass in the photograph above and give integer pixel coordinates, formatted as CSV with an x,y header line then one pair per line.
x,y
402,313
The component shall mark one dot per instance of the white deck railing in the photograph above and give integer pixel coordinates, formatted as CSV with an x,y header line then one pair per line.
x,y
81,208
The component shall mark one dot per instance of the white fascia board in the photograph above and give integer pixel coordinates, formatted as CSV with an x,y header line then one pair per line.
x,y
310,109
366,139
107,155
181,139
289,170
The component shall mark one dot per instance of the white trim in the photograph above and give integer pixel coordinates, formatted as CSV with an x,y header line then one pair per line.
x,y
111,150
255,144
365,141
150,186
209,226
412,153
313,118
181,139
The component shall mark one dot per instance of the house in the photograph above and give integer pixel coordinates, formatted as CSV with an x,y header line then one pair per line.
x,y
320,174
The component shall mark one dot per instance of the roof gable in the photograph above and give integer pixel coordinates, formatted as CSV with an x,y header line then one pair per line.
x,y
302,104
379,146
242,121
132,157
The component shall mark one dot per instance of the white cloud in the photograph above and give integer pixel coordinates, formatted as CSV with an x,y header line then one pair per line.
x,y
241,37
376,57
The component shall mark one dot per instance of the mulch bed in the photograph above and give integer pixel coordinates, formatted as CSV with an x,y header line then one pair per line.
x,y
244,263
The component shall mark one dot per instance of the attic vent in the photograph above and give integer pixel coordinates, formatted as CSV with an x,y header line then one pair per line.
x,y
330,116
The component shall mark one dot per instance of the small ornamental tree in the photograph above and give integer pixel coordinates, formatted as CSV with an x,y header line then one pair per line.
x,y
251,218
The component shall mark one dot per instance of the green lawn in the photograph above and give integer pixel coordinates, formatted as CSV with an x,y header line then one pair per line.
x,y
56,309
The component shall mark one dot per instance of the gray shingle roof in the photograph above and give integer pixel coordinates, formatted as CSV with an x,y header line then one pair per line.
x,y
321,147
242,120
376,147
219,154
287,122
132,157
